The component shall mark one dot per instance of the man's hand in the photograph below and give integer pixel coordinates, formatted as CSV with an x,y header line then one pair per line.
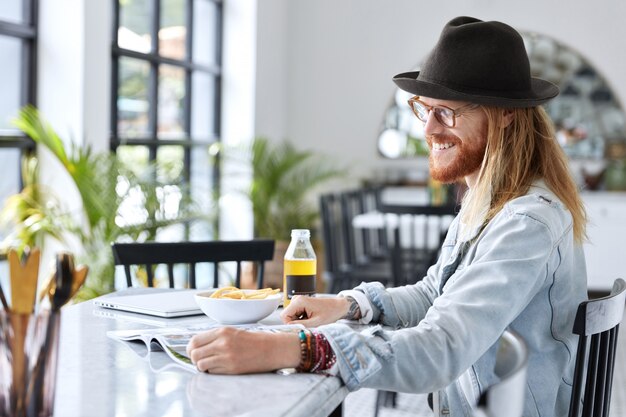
x,y
228,350
313,311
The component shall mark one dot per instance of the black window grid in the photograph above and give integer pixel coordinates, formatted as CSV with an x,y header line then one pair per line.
x,y
26,31
152,141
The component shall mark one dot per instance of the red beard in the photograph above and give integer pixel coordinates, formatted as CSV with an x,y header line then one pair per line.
x,y
468,158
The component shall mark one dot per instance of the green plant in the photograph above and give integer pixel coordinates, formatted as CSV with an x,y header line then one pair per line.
x,y
33,213
283,178
104,183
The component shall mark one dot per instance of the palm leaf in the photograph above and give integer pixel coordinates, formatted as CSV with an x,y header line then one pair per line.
x,y
33,213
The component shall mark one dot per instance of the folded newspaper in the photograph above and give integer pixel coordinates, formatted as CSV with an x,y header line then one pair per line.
x,y
173,341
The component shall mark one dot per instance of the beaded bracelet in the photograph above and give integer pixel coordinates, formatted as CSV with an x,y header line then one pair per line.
x,y
316,352
305,351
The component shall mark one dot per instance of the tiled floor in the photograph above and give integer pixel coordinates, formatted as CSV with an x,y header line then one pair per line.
x,y
361,403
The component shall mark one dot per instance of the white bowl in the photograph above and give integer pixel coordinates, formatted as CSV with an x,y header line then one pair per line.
x,y
234,311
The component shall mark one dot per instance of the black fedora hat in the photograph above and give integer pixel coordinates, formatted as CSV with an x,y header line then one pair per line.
x,y
478,62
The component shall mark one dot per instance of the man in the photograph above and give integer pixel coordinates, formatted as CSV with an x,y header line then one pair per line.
x,y
512,257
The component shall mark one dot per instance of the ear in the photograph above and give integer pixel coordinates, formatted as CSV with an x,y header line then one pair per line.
x,y
507,118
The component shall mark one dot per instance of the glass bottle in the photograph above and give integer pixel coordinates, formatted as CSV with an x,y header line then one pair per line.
x,y
300,266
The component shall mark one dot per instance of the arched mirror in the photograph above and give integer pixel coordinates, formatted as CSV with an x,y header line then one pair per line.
x,y
590,121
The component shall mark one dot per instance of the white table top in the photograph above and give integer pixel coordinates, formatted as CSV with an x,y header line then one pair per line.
x,y
98,376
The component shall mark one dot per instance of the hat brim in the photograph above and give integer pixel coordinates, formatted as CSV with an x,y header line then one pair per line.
x,y
541,91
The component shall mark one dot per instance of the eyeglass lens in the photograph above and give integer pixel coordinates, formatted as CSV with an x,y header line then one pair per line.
x,y
443,115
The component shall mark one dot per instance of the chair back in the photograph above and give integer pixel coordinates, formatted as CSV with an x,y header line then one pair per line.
x,y
149,254
596,324
364,244
418,233
349,252
332,233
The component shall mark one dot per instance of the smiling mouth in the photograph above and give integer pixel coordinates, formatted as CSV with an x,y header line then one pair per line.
x,y
441,146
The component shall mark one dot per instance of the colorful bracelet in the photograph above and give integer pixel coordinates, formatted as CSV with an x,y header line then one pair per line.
x,y
305,351
316,353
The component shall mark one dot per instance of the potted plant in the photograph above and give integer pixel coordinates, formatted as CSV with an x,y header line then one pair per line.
x,y
281,192
104,183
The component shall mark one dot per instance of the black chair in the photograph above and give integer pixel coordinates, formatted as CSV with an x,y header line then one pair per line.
x,y
364,245
418,233
332,238
349,258
150,254
597,324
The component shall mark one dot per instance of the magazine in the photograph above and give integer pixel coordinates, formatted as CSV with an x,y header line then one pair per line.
x,y
173,341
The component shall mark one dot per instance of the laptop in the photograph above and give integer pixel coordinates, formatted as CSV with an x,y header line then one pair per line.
x,y
167,304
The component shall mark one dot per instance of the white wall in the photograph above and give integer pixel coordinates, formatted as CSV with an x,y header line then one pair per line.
x,y
238,112
324,67
73,93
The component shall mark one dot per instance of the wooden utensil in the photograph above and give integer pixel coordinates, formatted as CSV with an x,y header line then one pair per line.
x,y
5,305
64,280
24,280
17,346
80,275
23,277
47,289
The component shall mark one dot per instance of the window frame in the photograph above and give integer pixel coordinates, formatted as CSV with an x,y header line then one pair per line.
x,y
27,32
153,58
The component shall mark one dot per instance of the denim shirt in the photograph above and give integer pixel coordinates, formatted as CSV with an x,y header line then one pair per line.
x,y
523,271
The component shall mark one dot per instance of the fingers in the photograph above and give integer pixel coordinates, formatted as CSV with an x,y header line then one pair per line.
x,y
234,351
206,365
291,316
198,349
198,353
209,344
297,309
312,311
200,339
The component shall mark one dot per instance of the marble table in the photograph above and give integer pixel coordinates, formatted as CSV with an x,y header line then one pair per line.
x,y
99,376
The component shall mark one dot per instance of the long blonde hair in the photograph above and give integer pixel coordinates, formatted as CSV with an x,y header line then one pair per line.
x,y
516,156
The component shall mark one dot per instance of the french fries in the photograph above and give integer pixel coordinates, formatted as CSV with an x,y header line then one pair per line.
x,y
236,293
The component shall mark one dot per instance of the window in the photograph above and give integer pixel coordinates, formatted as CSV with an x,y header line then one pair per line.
x,y
18,35
166,80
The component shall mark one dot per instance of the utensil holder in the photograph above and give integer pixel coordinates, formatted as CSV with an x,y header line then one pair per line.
x,y
28,363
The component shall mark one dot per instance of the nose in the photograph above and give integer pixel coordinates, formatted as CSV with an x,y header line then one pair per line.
x,y
432,125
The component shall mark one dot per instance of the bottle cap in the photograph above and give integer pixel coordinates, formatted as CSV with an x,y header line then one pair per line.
x,y
300,233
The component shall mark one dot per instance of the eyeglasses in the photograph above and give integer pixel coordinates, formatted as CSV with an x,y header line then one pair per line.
x,y
444,115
